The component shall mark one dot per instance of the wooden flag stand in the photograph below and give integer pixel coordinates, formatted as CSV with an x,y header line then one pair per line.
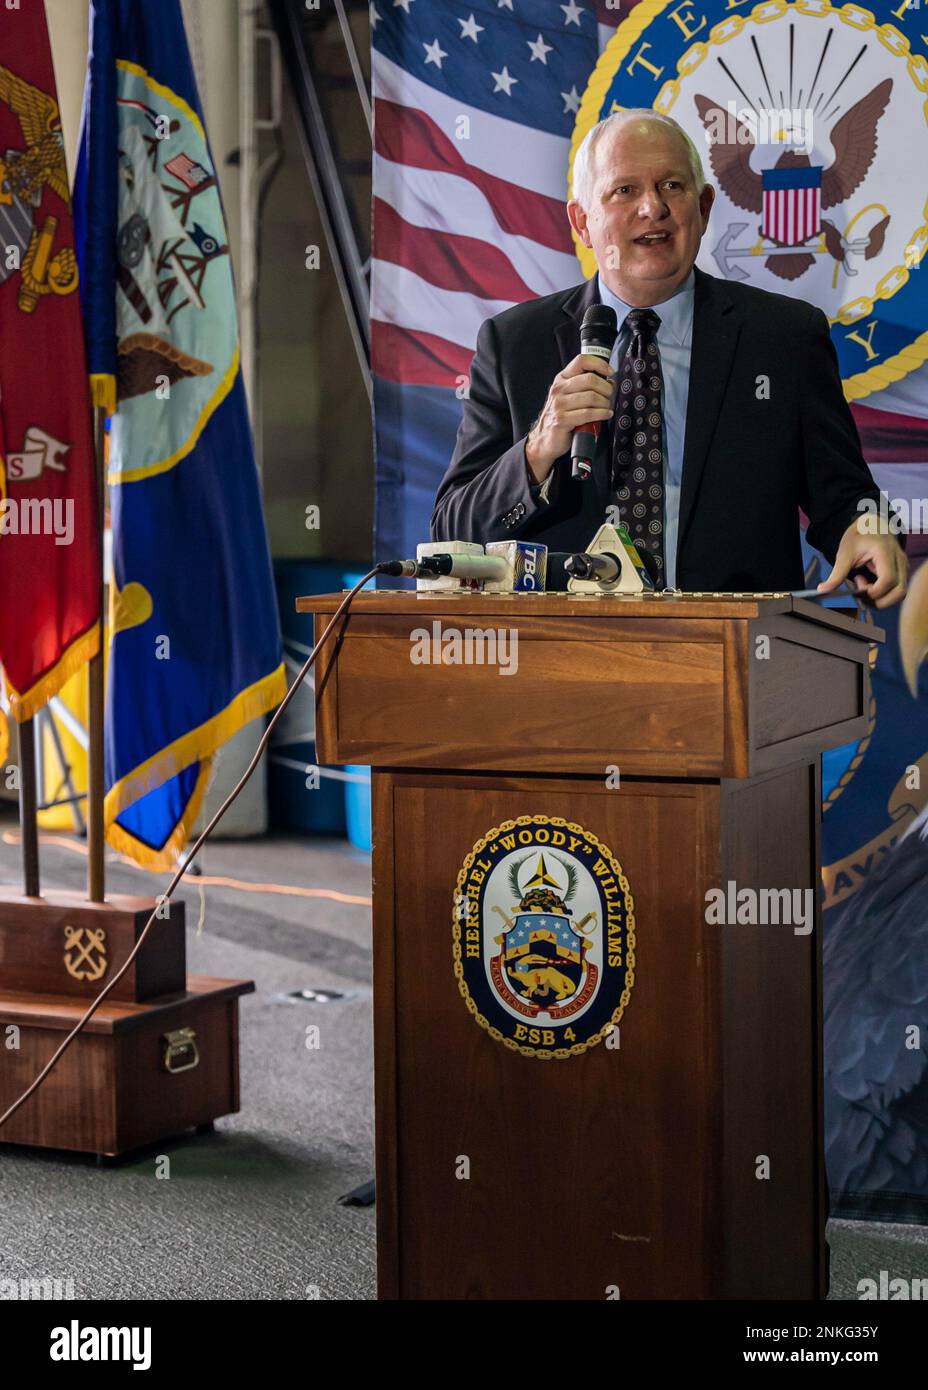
x,y
160,1054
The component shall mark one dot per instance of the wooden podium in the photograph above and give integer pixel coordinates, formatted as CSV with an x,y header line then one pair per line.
x,y
587,1087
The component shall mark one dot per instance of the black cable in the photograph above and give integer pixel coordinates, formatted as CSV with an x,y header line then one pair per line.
x,y
166,896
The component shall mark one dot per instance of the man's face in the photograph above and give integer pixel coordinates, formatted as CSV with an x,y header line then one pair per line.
x,y
645,218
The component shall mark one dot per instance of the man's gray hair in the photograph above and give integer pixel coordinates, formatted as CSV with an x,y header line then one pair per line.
x,y
584,161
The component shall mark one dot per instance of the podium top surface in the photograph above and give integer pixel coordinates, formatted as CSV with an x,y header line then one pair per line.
x,y
406,602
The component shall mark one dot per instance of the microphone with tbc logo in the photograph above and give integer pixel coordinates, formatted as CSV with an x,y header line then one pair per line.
x,y
598,333
503,567
611,563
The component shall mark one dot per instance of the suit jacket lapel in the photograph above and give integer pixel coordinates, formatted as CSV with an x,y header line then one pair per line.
x,y
575,306
716,328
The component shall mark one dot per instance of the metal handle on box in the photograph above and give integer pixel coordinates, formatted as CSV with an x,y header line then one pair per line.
x,y
180,1050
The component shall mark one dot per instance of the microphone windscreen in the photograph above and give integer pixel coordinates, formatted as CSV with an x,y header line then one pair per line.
x,y
600,327
557,576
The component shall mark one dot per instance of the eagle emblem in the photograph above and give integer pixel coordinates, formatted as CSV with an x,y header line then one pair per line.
x,y
854,139
809,119
24,176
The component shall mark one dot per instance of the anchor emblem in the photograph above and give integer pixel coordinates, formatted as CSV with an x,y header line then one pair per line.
x,y
80,946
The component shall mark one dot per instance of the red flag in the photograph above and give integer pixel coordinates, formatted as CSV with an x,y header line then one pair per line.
x,y
49,565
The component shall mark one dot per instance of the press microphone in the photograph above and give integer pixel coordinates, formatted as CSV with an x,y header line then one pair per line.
x,y
557,576
504,567
460,566
605,568
598,333
399,569
446,565
514,569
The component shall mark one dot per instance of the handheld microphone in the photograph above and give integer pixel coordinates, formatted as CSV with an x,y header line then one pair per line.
x,y
598,333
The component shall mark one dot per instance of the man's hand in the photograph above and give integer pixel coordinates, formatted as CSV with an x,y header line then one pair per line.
x,y
580,394
882,554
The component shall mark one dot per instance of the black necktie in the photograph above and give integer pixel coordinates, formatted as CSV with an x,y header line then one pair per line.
x,y
637,452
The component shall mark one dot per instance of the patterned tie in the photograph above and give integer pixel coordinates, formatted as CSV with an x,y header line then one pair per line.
x,y
637,451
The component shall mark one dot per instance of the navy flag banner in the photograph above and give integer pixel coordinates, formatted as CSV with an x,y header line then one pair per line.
x,y
194,637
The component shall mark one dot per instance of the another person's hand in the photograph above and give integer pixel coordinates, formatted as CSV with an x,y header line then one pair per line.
x,y
579,395
880,553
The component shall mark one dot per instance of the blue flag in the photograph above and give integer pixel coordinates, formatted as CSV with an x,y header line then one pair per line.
x,y
194,635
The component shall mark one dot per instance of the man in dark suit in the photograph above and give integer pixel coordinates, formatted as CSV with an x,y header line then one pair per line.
x,y
721,410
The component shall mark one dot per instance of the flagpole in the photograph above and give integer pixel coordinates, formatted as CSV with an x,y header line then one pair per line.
x,y
96,884
27,809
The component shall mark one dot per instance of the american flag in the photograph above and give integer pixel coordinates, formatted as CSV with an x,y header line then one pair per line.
x,y
185,169
474,109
